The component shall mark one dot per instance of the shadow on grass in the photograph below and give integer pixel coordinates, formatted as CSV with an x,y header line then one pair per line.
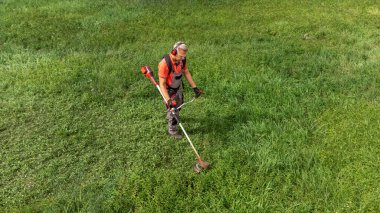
x,y
215,124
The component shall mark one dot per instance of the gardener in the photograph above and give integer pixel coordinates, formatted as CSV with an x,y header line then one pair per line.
x,y
170,71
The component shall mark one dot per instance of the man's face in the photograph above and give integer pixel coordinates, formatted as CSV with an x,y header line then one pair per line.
x,y
180,55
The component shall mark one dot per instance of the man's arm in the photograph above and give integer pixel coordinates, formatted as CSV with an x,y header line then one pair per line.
x,y
189,78
162,83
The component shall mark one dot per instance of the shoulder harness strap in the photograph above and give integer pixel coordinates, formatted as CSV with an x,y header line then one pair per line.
x,y
168,62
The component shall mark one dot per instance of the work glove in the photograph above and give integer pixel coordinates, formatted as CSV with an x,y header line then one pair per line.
x,y
197,92
171,103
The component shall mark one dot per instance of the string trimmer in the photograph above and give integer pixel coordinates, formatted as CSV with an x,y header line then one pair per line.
x,y
200,164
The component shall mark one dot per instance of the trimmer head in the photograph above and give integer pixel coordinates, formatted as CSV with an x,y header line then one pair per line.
x,y
200,166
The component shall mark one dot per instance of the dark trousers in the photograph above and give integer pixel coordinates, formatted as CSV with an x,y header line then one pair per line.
x,y
176,95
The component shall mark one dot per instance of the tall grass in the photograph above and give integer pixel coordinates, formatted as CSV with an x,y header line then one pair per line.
x,y
289,118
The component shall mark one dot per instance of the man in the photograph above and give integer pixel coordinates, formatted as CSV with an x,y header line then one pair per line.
x,y
170,71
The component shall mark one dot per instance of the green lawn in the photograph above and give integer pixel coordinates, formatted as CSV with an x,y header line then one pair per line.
x,y
290,118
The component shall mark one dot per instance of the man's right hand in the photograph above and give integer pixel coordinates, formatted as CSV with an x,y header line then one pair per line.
x,y
171,103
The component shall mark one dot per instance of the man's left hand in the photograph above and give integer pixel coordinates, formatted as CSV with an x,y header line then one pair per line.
x,y
197,92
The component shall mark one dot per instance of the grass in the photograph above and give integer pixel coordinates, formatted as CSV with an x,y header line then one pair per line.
x,y
289,120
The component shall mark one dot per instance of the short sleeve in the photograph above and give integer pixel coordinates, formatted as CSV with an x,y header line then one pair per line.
x,y
163,70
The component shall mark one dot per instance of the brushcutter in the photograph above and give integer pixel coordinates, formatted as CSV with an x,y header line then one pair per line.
x,y
201,164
